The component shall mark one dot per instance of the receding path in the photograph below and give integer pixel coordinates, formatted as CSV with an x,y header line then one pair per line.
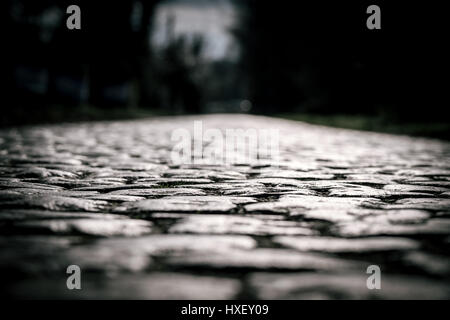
x,y
106,196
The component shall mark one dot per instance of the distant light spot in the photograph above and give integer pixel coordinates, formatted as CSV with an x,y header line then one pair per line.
x,y
245,105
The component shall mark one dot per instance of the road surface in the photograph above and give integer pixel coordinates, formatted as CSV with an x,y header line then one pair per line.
x,y
107,197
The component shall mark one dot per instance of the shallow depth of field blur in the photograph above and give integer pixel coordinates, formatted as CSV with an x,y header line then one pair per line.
x,y
310,61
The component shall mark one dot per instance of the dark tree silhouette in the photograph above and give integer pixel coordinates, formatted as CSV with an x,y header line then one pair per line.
x,y
319,56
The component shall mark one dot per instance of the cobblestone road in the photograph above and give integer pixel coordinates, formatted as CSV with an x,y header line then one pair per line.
x,y
104,196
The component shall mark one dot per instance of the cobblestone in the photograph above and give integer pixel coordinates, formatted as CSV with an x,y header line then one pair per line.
x,y
105,196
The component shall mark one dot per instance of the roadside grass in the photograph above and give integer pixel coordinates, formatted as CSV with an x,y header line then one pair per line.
x,y
438,129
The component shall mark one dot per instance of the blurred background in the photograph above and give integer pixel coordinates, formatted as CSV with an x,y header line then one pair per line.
x,y
312,61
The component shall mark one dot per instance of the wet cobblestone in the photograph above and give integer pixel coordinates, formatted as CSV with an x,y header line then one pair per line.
x,y
105,196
